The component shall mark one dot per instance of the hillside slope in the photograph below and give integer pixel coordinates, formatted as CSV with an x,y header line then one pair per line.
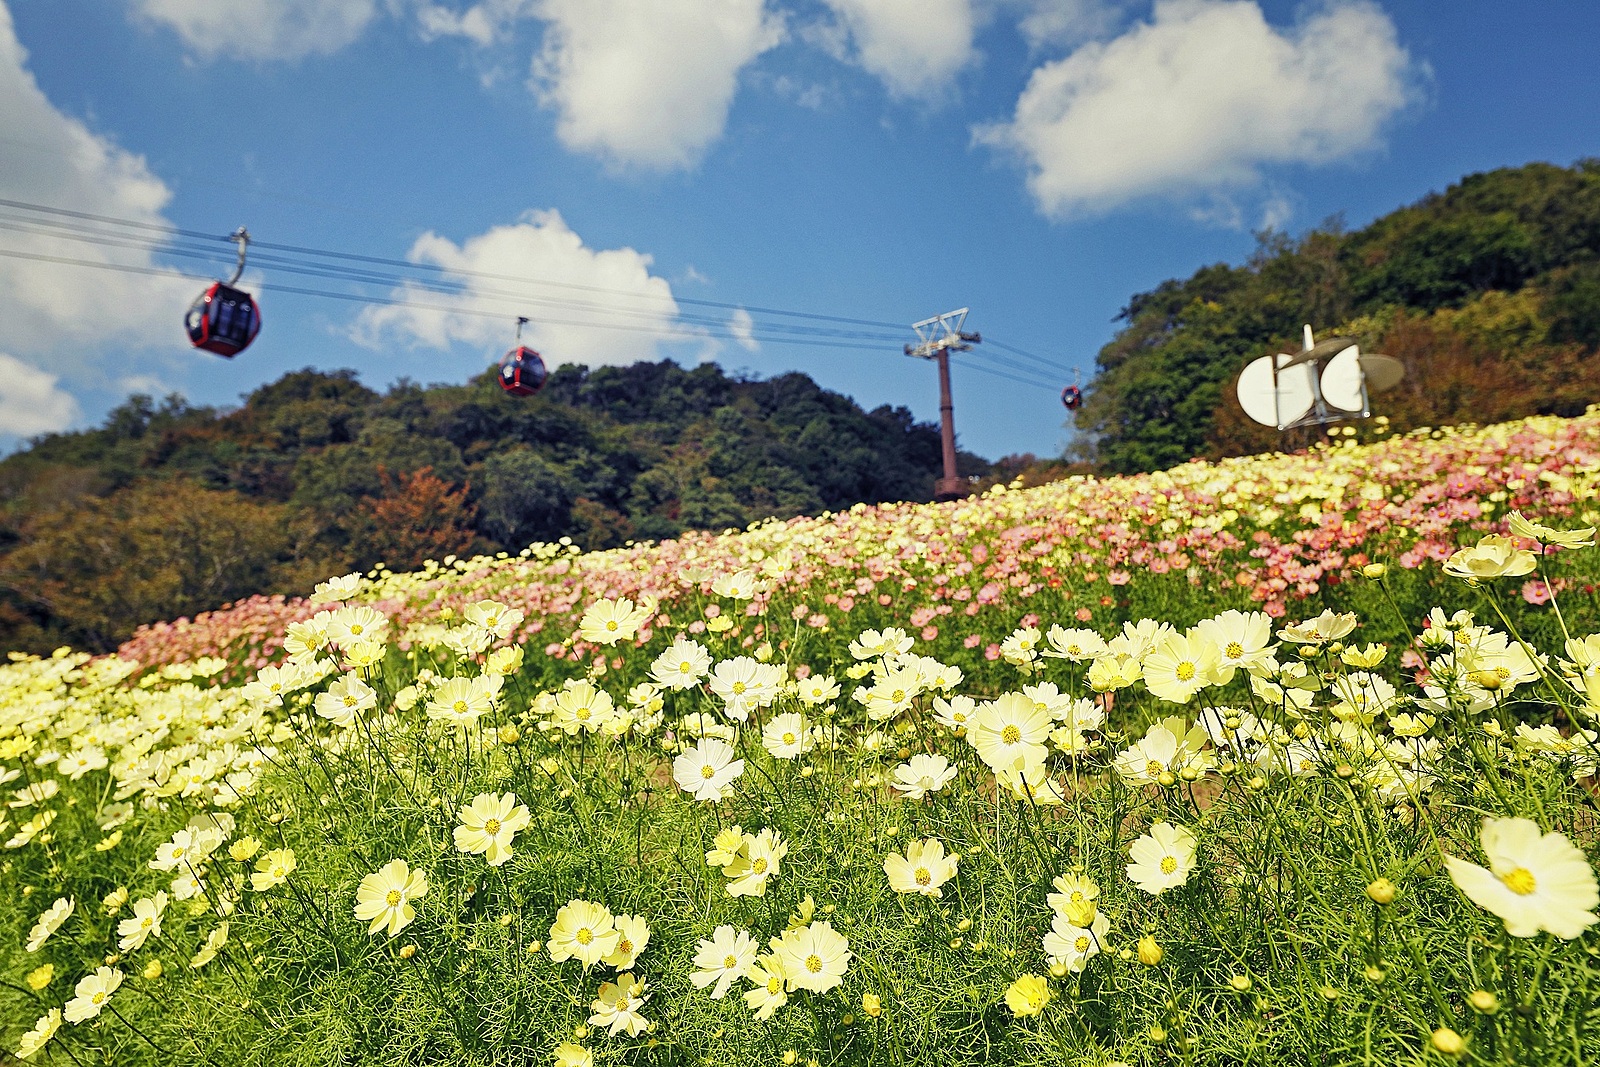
x,y
1489,292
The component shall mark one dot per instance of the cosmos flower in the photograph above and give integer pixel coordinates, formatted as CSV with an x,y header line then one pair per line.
x,y
585,931
707,769
385,897
722,959
1162,859
922,869
489,823
49,922
1535,881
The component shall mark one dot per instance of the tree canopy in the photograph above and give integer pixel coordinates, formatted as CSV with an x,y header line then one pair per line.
x,y
1489,292
317,474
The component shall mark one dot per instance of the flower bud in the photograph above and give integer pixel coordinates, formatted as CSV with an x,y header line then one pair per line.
x,y
1239,983
1374,571
407,951
1483,1001
1150,952
871,1005
1382,892
1448,1042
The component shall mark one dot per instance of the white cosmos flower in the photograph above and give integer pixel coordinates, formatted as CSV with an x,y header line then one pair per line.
x,y
1535,881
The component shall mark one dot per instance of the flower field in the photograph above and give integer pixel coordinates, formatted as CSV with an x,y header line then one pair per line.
x,y
1280,760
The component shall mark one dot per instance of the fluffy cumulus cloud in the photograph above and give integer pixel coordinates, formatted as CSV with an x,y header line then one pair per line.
x,y
31,402
1200,97
262,29
607,307
915,47
647,83
57,310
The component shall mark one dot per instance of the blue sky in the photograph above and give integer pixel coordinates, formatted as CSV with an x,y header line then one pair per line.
x,y
1037,160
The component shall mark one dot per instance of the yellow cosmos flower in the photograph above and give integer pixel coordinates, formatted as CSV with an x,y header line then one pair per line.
x,y
1028,995
1535,881
385,897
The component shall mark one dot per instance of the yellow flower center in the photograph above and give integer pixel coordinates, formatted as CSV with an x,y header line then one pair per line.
x,y
685,668
774,987
582,714
1234,650
1082,944
898,695
460,707
349,701
624,946
277,872
357,630
584,935
788,738
1185,671
1168,864
1153,769
814,963
730,962
97,998
708,771
611,624
148,922
738,687
1520,881
491,827
924,876
760,865
1011,734
392,898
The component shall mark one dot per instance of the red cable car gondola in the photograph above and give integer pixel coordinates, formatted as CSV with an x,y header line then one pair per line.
x,y
522,371
1072,398
223,319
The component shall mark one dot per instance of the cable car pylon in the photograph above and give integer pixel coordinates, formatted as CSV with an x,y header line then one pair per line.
x,y
936,339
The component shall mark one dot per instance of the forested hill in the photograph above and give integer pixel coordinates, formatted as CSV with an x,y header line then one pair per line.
x,y
170,509
1489,292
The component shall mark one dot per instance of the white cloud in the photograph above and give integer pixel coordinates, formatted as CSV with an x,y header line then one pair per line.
x,y
263,29
1046,23
482,23
1200,98
647,83
742,326
55,160
30,401
611,286
915,47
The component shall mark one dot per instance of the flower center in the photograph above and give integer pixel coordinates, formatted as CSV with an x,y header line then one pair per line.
x,y
708,771
685,668
98,997
1168,864
814,963
1153,769
624,946
730,962
584,936
1234,650
460,707
349,701
1185,671
760,865
788,738
924,876
1011,735
357,630
393,898
582,714
611,624
1082,944
774,986
492,827
148,922
1520,881
738,687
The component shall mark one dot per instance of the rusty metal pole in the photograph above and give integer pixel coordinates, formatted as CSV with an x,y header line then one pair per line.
x,y
950,486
